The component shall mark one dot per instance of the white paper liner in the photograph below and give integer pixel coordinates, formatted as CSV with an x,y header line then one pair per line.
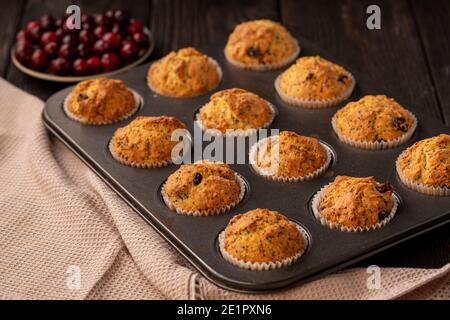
x,y
267,174
264,67
236,132
315,206
377,145
211,61
419,187
262,266
315,104
212,212
138,101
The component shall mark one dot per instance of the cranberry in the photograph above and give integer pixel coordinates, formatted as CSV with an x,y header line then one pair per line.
x,y
80,67
33,31
59,33
68,29
48,23
103,20
110,14
68,52
59,23
51,49
59,66
70,38
129,50
112,39
84,50
87,37
21,36
49,36
122,17
88,26
100,47
39,60
117,28
95,65
141,39
135,26
110,61
23,52
87,18
100,31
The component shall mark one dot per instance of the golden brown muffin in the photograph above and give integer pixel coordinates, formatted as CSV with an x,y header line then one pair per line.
x,y
262,235
183,73
100,101
314,82
233,109
356,202
373,118
146,141
298,155
202,187
427,162
261,44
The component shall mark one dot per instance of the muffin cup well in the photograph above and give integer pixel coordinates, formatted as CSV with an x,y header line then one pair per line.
x,y
211,61
377,145
138,101
211,212
267,174
236,132
315,104
315,206
264,67
262,266
419,187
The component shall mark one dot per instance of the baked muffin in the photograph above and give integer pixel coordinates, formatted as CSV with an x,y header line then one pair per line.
x,y
425,166
184,73
313,82
236,109
261,45
261,240
203,188
146,142
374,122
100,101
294,158
355,204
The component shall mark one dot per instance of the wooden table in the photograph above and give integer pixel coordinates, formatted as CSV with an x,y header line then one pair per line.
x,y
410,56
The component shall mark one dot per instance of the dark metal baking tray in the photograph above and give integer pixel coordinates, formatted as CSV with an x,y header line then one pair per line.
x,y
196,237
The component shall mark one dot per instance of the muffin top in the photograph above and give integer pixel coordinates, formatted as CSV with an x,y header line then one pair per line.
x,y
146,140
356,202
427,161
260,42
101,100
373,118
235,109
183,73
298,155
314,78
202,186
262,235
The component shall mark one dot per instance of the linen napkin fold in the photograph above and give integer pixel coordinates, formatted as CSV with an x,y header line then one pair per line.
x,y
65,235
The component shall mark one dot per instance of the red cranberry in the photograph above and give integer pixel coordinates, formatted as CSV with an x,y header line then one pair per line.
x,y
39,60
23,52
88,26
129,50
100,31
103,20
110,14
122,17
87,37
112,39
59,33
68,52
70,38
84,50
48,23
110,61
117,28
100,47
33,31
48,37
135,26
141,39
51,49
21,36
60,66
80,67
95,65
87,18
59,23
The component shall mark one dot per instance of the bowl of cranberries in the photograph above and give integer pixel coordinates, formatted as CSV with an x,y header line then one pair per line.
x,y
106,44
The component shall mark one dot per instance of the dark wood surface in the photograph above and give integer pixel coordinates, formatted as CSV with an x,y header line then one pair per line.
x,y
409,56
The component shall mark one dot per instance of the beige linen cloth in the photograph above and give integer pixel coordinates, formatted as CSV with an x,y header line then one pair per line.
x,y
55,213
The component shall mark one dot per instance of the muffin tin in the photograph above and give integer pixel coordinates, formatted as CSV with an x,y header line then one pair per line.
x,y
196,237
